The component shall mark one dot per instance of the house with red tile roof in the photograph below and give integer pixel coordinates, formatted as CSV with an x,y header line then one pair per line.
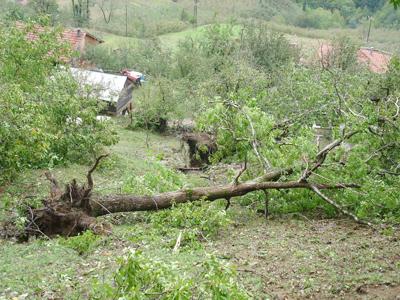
x,y
376,61
77,38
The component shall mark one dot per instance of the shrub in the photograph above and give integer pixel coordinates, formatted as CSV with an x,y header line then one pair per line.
x,y
155,104
83,243
146,56
268,50
158,180
320,19
196,220
342,54
388,17
140,277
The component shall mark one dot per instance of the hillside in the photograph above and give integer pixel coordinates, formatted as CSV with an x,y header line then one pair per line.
x,y
149,18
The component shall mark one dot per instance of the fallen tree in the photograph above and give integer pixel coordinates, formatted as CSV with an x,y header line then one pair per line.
x,y
75,209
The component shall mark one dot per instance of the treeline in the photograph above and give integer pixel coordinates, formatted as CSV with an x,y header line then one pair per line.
x,y
351,13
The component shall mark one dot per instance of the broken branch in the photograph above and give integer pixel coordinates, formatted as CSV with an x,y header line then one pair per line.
x,y
338,207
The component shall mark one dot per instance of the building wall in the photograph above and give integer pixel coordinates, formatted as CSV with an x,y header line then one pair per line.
x,y
89,41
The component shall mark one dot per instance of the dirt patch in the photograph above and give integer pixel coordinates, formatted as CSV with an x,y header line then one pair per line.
x,y
379,291
297,259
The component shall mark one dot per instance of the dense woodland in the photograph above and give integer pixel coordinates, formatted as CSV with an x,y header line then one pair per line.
x,y
241,81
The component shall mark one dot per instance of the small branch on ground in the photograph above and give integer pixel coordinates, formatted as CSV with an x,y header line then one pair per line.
x,y
178,242
339,208
228,203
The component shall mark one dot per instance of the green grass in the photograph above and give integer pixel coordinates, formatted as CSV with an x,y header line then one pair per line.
x,y
171,40
295,258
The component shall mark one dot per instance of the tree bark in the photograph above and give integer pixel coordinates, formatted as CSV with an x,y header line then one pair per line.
x,y
125,203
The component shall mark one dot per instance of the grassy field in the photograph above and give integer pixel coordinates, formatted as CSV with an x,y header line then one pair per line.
x,y
285,257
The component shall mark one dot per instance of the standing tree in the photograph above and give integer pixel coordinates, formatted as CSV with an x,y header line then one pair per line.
x,y
45,7
81,11
106,10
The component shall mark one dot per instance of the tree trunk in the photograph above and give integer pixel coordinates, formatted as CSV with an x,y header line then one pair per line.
x,y
125,203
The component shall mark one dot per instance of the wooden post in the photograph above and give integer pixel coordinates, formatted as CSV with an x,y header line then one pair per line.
x,y
126,18
369,28
196,2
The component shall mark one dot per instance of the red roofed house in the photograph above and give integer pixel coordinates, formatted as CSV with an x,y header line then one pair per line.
x,y
377,61
77,38
80,39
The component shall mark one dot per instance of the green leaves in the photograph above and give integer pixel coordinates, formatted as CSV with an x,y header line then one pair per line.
x,y
140,277
83,243
44,120
396,3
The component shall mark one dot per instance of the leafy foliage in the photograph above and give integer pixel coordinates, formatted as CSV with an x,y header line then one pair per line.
x,y
396,3
83,243
196,221
269,50
45,121
160,179
140,277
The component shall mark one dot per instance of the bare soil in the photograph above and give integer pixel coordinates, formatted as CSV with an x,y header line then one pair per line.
x,y
314,259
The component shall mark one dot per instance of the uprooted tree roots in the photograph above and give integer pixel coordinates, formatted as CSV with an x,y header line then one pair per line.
x,y
201,147
67,212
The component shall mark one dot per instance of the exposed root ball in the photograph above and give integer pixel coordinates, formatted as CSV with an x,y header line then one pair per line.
x,y
201,147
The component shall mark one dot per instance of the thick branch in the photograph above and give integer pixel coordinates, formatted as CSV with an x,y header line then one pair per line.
x,y
89,174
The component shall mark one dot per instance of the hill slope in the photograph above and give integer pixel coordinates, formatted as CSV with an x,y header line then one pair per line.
x,y
149,18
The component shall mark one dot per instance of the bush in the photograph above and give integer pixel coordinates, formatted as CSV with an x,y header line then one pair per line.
x,y
160,179
320,19
342,54
155,104
268,50
145,56
196,220
83,243
140,277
